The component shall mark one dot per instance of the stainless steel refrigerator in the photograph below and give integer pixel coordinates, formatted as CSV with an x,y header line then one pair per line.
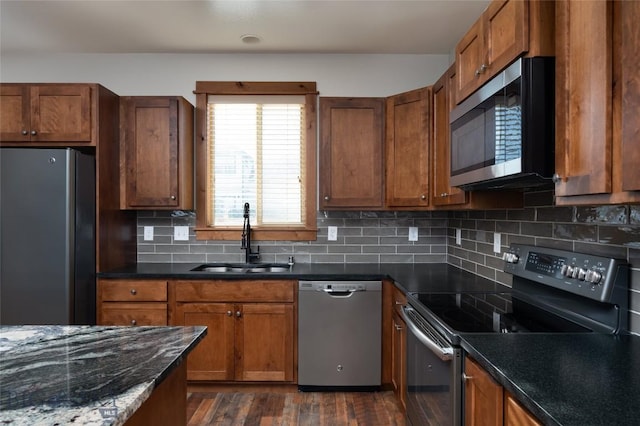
x,y
47,233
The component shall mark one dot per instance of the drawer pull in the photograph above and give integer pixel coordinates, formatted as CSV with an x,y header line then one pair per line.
x,y
238,314
465,377
134,291
399,303
133,322
229,313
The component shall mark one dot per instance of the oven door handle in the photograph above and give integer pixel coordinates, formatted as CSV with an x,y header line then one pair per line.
x,y
444,353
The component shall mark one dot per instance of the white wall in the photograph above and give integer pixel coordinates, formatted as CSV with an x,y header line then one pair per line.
x,y
176,74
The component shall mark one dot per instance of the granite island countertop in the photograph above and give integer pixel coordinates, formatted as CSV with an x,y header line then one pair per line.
x,y
585,379
89,375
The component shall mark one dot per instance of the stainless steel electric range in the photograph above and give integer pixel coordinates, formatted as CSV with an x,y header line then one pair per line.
x,y
553,291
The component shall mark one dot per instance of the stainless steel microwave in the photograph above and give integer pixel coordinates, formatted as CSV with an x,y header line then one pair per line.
x,y
502,136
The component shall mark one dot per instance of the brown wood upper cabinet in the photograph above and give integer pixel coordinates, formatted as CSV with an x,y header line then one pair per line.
x,y
351,153
156,153
407,148
506,29
46,113
597,102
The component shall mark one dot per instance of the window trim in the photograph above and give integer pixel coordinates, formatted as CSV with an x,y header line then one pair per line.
x,y
306,232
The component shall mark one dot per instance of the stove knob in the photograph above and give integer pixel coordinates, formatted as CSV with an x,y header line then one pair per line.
x,y
582,274
593,277
574,271
564,271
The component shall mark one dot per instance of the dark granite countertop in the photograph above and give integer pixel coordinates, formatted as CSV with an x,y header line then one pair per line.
x,y
566,379
423,277
85,375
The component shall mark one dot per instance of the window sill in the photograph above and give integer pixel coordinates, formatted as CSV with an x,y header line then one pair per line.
x,y
257,234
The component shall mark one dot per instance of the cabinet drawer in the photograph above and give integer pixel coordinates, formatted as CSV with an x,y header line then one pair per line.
x,y
398,299
132,291
134,314
235,291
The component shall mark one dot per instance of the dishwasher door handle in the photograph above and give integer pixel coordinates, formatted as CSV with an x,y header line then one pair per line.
x,y
339,294
444,353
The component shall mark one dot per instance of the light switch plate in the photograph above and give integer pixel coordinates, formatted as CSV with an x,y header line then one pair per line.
x,y
181,233
458,236
413,233
148,233
497,237
332,233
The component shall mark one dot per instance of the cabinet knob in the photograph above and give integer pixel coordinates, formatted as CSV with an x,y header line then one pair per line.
x,y
133,322
173,197
25,133
556,178
423,197
397,327
134,291
33,132
229,313
326,198
238,314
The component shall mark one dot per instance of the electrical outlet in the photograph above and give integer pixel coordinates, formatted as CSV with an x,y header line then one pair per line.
x,y
413,233
332,233
458,236
181,233
148,233
497,237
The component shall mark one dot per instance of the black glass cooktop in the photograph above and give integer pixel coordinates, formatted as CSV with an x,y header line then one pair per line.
x,y
491,313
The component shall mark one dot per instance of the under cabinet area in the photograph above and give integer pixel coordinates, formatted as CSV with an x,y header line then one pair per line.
x,y
156,153
132,302
487,403
52,112
251,329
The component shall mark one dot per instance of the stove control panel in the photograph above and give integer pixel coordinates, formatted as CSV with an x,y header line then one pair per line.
x,y
584,274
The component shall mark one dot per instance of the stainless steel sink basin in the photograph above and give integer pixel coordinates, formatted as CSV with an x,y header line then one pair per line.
x,y
242,267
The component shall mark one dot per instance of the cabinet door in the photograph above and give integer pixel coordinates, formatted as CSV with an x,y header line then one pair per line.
x,y
443,194
515,414
351,152
629,81
213,358
506,33
583,97
265,342
60,113
470,58
15,113
482,397
150,146
399,358
407,149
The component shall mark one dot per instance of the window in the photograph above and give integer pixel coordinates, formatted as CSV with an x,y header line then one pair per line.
x,y
257,146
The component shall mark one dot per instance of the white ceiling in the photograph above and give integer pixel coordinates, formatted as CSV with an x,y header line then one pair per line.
x,y
187,26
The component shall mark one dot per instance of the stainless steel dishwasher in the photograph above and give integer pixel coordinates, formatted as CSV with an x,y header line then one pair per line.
x,y
339,335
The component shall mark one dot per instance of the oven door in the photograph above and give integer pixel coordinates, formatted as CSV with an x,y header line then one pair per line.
x,y
433,375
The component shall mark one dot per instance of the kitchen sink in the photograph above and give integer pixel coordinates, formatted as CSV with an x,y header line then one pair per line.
x,y
242,267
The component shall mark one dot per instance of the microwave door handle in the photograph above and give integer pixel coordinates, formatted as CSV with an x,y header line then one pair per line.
x,y
445,354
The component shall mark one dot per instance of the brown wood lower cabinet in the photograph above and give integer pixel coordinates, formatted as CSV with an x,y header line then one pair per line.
x,y
250,329
486,403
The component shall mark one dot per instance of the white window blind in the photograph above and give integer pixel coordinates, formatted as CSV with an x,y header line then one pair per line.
x,y
256,151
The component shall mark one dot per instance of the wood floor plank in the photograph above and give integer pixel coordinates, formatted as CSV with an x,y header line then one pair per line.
x,y
263,408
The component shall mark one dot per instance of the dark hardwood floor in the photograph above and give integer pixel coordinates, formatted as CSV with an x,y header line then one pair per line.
x,y
293,408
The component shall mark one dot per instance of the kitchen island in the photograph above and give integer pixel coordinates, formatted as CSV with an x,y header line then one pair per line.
x,y
93,375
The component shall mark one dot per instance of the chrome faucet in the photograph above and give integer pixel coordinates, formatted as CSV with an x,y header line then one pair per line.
x,y
250,256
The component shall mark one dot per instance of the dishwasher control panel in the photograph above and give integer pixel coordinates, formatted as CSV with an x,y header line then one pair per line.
x,y
340,286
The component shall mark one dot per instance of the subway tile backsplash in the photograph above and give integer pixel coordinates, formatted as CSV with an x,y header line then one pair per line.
x,y
365,237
